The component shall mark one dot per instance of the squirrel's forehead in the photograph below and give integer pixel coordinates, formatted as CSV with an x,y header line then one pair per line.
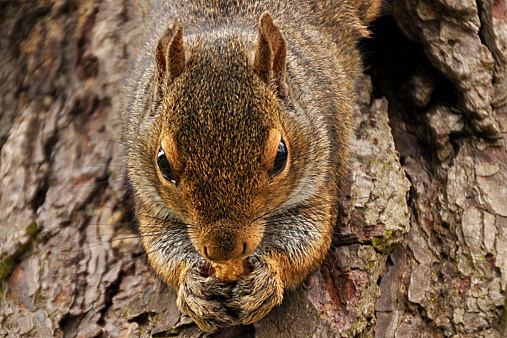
x,y
223,108
217,136
221,136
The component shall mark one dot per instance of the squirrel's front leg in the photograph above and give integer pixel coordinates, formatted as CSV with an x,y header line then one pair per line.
x,y
254,295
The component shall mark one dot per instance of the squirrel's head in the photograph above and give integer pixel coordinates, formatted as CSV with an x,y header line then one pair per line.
x,y
221,153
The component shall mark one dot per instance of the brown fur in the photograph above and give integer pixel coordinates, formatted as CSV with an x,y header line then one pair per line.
x,y
217,97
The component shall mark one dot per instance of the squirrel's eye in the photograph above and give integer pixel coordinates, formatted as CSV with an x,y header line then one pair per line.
x,y
280,159
165,166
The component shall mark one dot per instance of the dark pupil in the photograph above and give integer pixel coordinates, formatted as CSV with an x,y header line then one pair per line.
x,y
164,166
280,159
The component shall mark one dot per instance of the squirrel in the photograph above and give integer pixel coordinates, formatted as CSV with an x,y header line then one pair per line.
x,y
236,124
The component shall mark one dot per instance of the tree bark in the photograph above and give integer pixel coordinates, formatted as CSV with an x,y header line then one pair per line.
x,y
421,246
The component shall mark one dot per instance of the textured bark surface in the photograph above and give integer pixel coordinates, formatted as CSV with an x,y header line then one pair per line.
x,y
421,249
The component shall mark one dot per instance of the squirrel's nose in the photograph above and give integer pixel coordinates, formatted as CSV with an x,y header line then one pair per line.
x,y
220,252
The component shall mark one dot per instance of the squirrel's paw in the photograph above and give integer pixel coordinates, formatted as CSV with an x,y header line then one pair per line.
x,y
256,294
214,304
204,299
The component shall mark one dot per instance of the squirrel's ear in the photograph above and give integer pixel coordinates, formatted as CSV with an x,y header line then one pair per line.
x,y
269,62
367,10
170,53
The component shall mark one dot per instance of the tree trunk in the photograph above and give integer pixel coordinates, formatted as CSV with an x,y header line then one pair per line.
x,y
421,248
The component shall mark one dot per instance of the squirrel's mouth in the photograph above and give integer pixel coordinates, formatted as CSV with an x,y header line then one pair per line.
x,y
229,271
